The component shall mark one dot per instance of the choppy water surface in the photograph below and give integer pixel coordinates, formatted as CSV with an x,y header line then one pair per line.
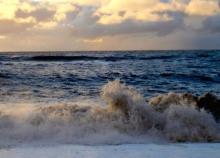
x,y
61,76
55,97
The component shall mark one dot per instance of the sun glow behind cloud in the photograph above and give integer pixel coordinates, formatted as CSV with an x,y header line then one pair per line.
x,y
135,24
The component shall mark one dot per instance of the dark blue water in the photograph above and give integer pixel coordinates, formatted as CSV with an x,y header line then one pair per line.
x,y
45,77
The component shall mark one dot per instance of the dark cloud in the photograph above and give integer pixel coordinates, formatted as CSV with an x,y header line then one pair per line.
x,y
212,24
86,25
169,1
42,14
122,13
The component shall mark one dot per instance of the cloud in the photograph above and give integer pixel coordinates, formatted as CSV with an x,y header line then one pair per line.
x,y
145,10
42,14
85,23
141,10
7,8
203,7
94,41
12,27
2,37
212,24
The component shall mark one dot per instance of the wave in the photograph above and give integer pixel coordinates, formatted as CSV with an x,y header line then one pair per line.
x,y
200,77
112,58
125,117
2,75
91,58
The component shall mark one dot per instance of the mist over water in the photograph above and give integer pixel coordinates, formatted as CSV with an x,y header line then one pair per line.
x,y
125,118
107,98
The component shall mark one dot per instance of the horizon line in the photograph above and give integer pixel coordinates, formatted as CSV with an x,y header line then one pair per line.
x,y
96,51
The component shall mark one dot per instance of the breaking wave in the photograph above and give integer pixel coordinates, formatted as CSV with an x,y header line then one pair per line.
x,y
126,117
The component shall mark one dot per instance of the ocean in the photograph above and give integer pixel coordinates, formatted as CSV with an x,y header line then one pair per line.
x,y
45,77
108,98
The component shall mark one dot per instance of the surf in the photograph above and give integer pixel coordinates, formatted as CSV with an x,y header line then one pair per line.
x,y
125,117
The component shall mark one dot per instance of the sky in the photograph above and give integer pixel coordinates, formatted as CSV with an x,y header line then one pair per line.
x,y
75,25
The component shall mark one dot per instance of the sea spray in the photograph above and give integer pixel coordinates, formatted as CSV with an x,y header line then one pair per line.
x,y
126,118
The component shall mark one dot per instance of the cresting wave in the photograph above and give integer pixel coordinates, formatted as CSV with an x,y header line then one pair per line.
x,y
126,118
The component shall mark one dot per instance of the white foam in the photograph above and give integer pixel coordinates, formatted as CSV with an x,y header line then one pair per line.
x,y
117,151
126,118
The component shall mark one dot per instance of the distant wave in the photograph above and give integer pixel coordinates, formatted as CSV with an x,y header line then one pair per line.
x,y
126,118
192,77
48,58
88,58
4,75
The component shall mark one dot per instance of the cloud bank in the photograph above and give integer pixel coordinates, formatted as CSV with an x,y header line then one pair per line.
x,y
103,24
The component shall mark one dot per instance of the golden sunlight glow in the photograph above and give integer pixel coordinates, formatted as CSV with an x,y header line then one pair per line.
x,y
203,7
2,37
27,7
113,11
96,40
8,8
91,21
